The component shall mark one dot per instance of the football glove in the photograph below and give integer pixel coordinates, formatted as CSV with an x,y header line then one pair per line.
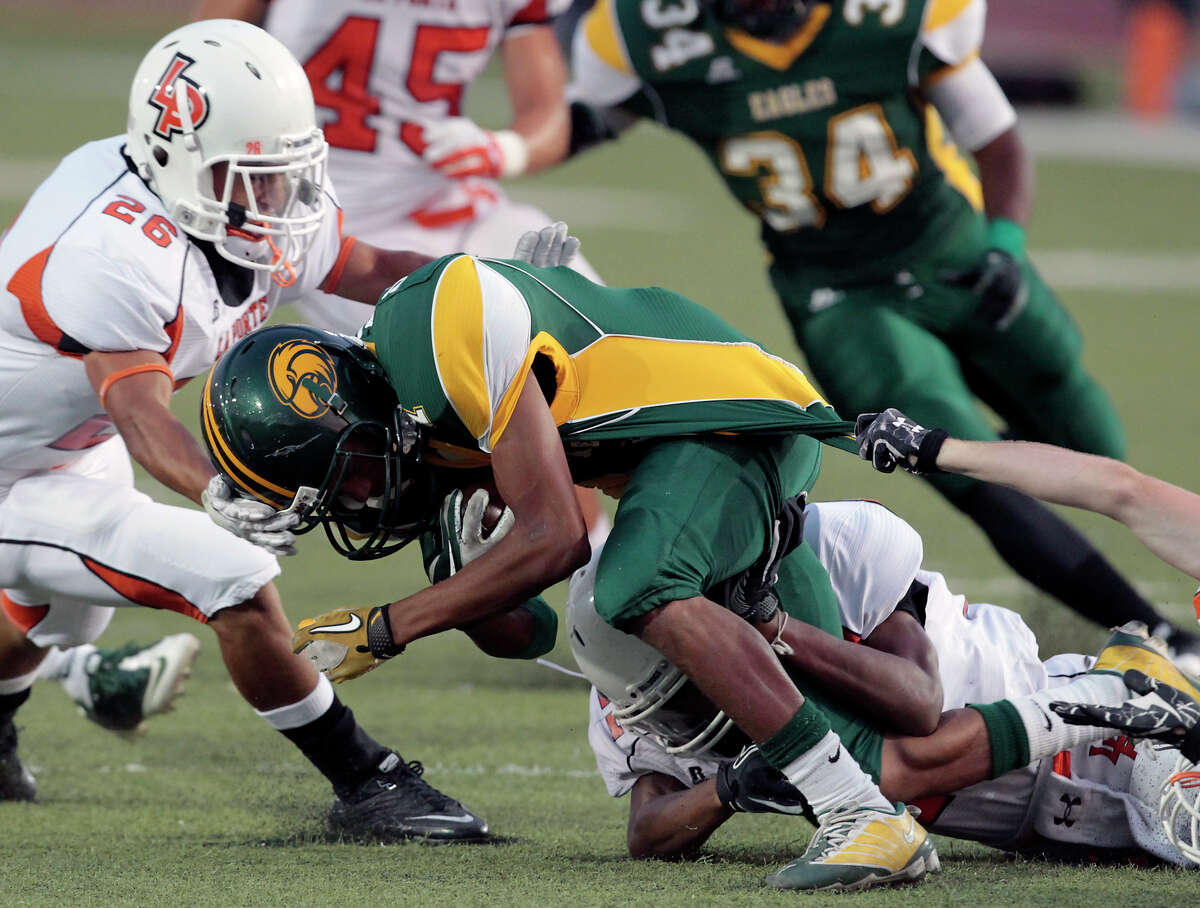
x,y
1161,714
254,521
997,281
890,439
548,247
458,147
463,536
749,784
751,594
346,642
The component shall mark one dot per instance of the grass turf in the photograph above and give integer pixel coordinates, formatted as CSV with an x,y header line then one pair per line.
x,y
213,808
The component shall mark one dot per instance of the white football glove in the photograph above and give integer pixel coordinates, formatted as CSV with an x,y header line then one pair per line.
x,y
458,147
463,536
548,247
254,521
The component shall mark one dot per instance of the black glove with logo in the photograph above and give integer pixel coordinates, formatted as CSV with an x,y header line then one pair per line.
x,y
890,439
749,784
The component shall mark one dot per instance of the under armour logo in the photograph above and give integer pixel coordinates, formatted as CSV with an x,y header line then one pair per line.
x,y
1065,819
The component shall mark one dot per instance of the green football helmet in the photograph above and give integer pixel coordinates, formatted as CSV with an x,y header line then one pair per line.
x,y
304,419
767,19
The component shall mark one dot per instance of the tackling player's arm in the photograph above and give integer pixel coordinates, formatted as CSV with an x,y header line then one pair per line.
x,y
604,86
135,390
547,542
536,75
891,677
668,820
363,272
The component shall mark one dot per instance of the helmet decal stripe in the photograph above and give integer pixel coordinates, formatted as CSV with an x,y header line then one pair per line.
x,y
229,462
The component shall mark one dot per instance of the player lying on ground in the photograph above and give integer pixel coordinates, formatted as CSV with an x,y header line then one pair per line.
x,y
137,263
1094,799
412,171
540,379
905,278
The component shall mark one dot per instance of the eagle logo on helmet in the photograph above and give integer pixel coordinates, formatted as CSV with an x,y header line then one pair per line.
x,y
302,376
166,98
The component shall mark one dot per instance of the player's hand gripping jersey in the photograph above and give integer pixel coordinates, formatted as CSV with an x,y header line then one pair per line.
x,y
826,137
381,73
94,263
617,366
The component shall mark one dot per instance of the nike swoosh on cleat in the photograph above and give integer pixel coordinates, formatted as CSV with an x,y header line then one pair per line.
x,y
837,756
446,818
349,627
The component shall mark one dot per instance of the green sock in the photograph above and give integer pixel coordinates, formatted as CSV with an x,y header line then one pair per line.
x,y
1006,735
801,733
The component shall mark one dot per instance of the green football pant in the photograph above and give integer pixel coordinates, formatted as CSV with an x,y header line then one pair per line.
x,y
914,343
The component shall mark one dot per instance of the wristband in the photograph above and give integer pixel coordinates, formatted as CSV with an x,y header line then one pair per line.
x,y
1007,236
514,152
927,454
379,634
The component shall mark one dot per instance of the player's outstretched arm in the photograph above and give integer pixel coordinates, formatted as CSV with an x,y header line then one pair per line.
x,y
367,271
1165,517
536,77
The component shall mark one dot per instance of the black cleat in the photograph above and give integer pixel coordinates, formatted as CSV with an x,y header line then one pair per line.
x,y
16,782
396,804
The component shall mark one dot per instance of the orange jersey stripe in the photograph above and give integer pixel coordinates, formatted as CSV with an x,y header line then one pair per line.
x,y
26,617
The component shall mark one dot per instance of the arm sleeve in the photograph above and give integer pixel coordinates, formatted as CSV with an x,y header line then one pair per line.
x,y
956,81
545,623
602,73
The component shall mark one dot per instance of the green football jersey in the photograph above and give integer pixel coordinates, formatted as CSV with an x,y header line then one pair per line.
x,y
823,136
618,367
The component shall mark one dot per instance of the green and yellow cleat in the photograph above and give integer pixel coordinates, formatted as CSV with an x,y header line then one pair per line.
x,y
1132,647
861,847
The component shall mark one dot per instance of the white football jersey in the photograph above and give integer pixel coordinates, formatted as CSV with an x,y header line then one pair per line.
x,y
94,263
380,72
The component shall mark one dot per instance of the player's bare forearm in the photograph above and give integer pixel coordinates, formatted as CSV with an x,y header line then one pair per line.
x,y
252,11
894,682
369,271
536,75
669,821
956,755
1165,517
139,404
1006,175
547,542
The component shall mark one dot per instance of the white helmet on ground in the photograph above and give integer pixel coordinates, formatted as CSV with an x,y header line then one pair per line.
x,y
222,102
649,695
1179,808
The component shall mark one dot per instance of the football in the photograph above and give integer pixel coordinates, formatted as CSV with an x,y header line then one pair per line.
x,y
495,505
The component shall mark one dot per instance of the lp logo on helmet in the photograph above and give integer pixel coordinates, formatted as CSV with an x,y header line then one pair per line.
x,y
167,99
302,376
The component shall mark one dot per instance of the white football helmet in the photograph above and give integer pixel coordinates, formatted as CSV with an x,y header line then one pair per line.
x,y
650,695
222,127
1179,808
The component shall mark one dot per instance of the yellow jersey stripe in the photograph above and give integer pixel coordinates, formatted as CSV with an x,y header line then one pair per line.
x,y
228,460
458,343
604,36
781,56
943,12
949,159
619,372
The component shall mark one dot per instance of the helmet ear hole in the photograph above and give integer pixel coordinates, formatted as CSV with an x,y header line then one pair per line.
x,y
160,156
